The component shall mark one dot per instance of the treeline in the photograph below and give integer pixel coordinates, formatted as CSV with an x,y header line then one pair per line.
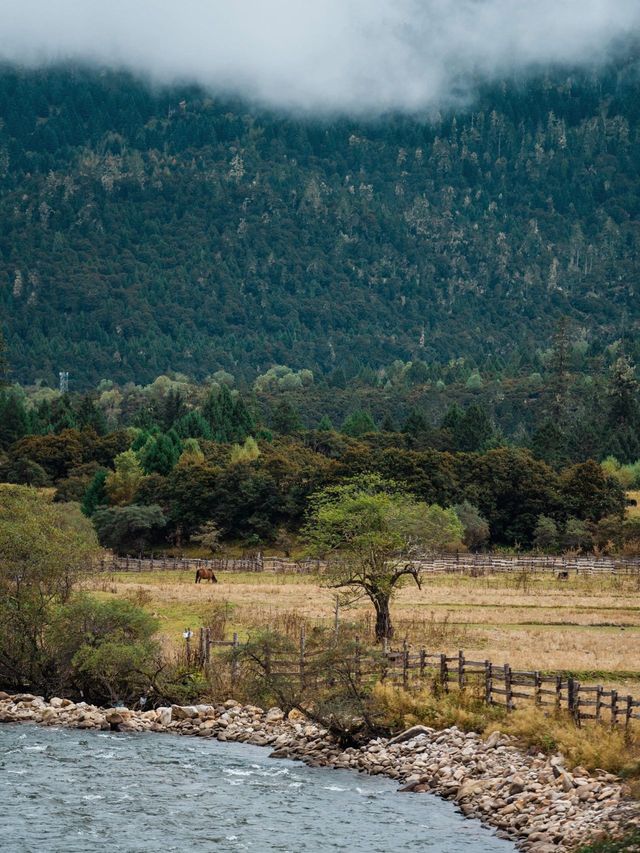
x,y
166,462
147,229
563,417
144,487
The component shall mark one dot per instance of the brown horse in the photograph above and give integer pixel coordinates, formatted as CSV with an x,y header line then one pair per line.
x,y
206,575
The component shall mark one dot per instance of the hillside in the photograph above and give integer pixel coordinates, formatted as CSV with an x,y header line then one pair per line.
x,y
148,230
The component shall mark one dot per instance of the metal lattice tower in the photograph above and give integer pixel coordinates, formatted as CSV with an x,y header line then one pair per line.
x,y
64,381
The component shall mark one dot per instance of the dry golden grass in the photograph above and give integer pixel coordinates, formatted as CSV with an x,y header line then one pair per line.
x,y
592,746
588,625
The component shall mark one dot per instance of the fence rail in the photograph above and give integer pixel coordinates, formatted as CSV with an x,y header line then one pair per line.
x,y
186,564
468,564
412,669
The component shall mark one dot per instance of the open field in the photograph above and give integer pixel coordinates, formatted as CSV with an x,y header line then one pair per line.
x,y
587,625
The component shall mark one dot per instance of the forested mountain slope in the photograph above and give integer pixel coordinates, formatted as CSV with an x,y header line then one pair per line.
x,y
144,230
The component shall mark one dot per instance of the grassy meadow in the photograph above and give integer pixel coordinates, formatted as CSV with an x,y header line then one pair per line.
x,y
589,626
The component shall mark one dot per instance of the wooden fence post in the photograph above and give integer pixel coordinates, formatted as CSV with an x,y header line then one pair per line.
x,y
461,681
558,692
628,712
444,673
302,651
405,665
537,687
598,710
570,696
423,663
201,652
234,661
207,646
507,687
614,707
575,704
488,682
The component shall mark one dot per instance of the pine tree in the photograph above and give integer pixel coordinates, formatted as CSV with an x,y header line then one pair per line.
x,y
193,425
14,423
324,424
285,418
387,424
90,417
4,364
243,422
219,412
358,423
96,494
173,409
416,424
160,455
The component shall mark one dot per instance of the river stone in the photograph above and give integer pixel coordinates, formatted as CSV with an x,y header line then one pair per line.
x,y
163,716
113,717
517,786
25,698
183,712
409,734
493,740
274,715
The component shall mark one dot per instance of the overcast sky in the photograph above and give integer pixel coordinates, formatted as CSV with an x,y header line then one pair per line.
x,y
344,55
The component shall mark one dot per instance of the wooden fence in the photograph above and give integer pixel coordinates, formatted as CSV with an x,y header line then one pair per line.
x,y
414,669
186,564
467,564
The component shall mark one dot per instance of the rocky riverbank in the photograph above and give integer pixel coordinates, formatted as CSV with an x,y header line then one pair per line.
x,y
531,799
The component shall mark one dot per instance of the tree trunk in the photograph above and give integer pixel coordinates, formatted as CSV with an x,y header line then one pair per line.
x,y
384,628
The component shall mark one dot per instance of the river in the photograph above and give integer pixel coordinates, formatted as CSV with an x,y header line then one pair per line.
x,y
71,791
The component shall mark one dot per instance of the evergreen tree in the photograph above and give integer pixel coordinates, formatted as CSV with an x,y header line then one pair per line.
x,y
358,423
64,416
549,443
324,424
243,422
159,455
14,423
338,378
90,417
623,394
4,364
193,425
173,409
387,424
285,418
96,494
416,424
218,410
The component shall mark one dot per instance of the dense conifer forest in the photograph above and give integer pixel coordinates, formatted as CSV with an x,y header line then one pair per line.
x,y
148,230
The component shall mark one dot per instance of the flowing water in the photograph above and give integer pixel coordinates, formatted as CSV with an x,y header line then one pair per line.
x,y
70,791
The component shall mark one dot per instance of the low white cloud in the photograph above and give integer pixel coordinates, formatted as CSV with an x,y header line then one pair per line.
x,y
337,55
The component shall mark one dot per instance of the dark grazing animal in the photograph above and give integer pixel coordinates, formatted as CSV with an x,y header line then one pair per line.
x,y
206,575
563,576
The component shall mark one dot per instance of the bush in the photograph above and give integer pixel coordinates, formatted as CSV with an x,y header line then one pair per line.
x,y
104,650
129,528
